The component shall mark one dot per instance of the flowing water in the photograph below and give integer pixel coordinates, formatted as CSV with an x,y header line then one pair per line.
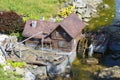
x,y
117,3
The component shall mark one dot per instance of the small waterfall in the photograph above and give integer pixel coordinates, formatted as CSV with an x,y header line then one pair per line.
x,y
117,17
117,3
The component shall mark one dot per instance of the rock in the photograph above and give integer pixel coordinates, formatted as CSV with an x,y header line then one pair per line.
x,y
13,39
8,68
87,8
40,77
91,61
20,71
41,70
106,6
111,73
86,19
67,75
2,60
35,66
2,38
29,76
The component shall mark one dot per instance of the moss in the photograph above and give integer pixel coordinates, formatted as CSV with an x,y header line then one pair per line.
x,y
106,15
83,71
78,71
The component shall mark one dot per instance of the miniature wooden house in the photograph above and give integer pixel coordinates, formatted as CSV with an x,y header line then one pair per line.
x,y
61,36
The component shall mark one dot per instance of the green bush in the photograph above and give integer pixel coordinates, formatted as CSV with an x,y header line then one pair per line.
x,y
16,64
7,75
18,34
66,11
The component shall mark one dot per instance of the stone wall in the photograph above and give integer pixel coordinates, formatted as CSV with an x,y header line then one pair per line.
x,y
86,9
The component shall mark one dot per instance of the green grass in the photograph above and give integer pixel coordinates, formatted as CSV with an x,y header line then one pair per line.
x,y
105,16
31,9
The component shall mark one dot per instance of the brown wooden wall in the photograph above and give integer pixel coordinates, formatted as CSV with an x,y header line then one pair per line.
x,y
61,40
61,45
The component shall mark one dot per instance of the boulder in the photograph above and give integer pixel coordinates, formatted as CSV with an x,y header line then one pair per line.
x,y
2,60
106,6
20,71
7,68
92,61
112,73
40,77
39,70
2,38
29,76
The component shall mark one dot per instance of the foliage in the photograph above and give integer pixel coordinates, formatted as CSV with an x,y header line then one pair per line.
x,y
31,9
105,16
18,34
10,22
58,19
16,64
7,75
66,11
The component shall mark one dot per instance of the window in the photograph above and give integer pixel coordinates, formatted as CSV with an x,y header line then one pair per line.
x,y
61,44
64,34
33,24
57,34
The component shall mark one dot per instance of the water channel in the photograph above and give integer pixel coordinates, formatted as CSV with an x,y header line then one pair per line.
x,y
108,60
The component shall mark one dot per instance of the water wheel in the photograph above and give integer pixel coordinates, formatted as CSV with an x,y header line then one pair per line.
x,y
82,47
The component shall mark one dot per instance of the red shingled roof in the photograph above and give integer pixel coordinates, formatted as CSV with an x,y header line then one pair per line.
x,y
44,26
72,25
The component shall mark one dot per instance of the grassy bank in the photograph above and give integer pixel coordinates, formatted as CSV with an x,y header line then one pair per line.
x,y
106,15
31,9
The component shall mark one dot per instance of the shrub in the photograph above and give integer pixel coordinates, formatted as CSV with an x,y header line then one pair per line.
x,y
10,22
66,11
16,64
18,34
8,75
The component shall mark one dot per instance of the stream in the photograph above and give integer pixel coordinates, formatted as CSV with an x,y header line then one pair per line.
x,y
108,60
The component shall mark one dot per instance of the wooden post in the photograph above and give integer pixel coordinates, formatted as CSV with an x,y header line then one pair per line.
x,y
20,51
42,44
20,55
51,46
